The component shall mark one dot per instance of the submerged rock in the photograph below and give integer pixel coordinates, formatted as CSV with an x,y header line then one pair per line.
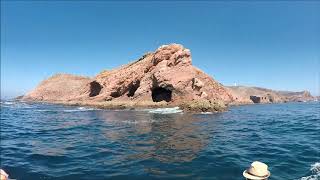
x,y
165,77
203,106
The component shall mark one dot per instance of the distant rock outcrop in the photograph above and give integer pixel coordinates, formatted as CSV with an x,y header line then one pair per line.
x,y
249,95
165,76
296,96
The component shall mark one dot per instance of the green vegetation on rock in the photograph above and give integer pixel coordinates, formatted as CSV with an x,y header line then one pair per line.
x,y
203,106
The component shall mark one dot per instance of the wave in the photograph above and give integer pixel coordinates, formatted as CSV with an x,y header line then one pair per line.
x,y
315,170
165,110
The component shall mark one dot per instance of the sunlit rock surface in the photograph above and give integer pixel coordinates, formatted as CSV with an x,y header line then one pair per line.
x,y
164,77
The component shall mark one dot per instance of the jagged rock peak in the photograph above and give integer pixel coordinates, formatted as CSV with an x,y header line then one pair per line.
x,y
173,54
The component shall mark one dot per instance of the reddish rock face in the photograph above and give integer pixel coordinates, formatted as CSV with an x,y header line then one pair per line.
x,y
164,75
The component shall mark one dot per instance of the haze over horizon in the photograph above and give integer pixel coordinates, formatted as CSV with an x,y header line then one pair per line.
x,y
273,45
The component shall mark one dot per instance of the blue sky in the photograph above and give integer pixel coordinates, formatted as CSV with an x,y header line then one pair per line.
x,y
267,44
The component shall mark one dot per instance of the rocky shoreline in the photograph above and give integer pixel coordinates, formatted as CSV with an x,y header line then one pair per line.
x,y
192,106
163,78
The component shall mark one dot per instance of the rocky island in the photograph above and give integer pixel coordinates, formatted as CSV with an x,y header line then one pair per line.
x,y
252,95
164,78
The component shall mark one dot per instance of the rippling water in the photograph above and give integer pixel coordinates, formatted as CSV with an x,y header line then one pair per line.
x,y
41,141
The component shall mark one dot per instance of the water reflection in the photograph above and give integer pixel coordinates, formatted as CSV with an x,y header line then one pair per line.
x,y
166,138
58,142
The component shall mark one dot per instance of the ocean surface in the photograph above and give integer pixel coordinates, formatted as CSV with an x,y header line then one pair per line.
x,y
42,141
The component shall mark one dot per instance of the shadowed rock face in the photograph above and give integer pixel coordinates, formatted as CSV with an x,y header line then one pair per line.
x,y
166,75
95,88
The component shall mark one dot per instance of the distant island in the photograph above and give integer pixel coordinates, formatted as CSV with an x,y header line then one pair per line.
x,y
164,78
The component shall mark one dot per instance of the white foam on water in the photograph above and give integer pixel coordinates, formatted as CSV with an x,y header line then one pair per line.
x,y
315,169
79,109
7,103
206,112
166,110
16,104
72,110
44,110
137,121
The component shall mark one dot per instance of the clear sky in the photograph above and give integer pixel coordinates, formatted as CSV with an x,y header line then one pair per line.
x,y
267,44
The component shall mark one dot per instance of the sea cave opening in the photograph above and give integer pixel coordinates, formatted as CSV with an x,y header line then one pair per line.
x,y
161,94
95,89
133,88
255,99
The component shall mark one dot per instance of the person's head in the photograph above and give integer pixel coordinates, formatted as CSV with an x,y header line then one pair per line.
x,y
257,171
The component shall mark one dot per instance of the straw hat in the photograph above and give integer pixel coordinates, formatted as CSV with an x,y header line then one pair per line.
x,y
3,175
257,171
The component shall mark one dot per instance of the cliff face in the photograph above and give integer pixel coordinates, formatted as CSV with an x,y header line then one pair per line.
x,y
166,75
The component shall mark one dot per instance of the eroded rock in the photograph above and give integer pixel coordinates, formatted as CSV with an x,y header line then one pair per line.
x,y
166,75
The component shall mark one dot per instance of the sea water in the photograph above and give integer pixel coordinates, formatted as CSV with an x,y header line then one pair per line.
x,y
43,141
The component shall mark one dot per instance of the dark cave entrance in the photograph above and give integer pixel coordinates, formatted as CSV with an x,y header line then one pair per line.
x,y
115,94
255,99
133,88
95,88
161,94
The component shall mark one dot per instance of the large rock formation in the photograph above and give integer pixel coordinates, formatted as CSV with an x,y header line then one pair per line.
x,y
165,76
